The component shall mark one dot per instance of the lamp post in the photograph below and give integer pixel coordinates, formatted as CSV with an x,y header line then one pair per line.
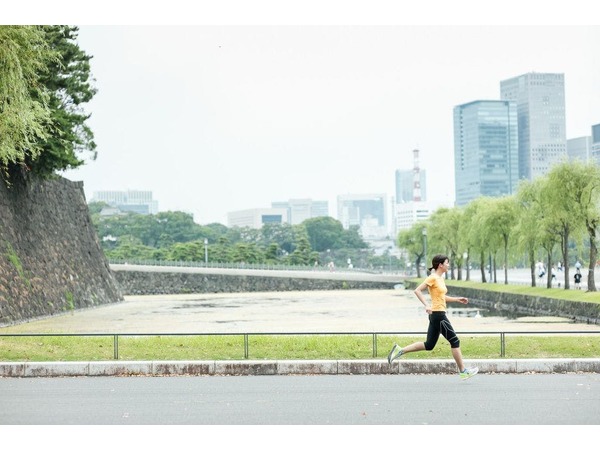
x,y
205,251
425,247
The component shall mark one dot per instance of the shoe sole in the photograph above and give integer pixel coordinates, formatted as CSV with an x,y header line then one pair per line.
x,y
391,353
469,376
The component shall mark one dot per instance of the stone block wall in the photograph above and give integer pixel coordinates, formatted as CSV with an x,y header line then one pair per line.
x,y
164,283
50,258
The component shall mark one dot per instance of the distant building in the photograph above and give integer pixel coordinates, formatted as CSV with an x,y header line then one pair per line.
x,y
486,151
580,149
540,99
140,202
405,185
409,213
595,145
367,211
299,210
256,218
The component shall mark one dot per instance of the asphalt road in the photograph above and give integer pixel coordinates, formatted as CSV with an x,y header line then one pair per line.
x,y
531,399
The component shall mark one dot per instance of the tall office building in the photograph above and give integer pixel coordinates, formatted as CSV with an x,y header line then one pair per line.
x,y
405,185
140,202
485,150
595,149
300,210
580,149
367,211
540,99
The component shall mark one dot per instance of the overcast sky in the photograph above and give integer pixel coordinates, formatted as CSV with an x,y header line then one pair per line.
x,y
218,118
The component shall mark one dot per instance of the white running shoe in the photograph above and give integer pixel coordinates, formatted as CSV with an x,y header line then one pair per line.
x,y
468,373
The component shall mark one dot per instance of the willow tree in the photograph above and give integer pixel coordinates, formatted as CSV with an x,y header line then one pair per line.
x,y
475,234
568,185
412,240
69,84
446,233
580,198
527,229
500,218
24,114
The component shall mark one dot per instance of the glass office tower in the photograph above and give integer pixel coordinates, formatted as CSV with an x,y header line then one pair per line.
x,y
486,150
540,99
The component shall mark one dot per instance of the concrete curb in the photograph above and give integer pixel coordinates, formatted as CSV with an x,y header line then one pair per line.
x,y
291,367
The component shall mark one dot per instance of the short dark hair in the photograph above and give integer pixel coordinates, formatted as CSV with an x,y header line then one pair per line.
x,y
436,261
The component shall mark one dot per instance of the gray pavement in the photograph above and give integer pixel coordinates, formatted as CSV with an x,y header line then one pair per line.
x,y
372,311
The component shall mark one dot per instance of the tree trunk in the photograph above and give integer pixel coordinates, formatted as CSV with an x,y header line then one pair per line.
x,y
565,264
532,266
549,270
593,256
482,267
467,267
506,260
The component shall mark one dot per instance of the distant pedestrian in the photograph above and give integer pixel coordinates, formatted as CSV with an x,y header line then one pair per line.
x,y
577,278
438,321
578,265
541,269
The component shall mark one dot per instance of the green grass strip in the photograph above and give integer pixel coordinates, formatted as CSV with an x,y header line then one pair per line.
x,y
283,347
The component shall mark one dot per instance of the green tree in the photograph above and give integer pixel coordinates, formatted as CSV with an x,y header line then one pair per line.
x,y
24,114
302,254
412,241
567,185
324,233
445,232
69,83
528,229
500,219
351,238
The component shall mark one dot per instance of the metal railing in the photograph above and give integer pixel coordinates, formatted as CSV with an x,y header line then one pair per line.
x,y
246,336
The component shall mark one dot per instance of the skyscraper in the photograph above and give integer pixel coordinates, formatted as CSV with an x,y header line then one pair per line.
x,y
368,211
596,143
405,185
540,99
485,149
579,148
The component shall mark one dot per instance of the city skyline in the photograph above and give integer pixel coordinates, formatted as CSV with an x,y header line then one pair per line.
x,y
215,119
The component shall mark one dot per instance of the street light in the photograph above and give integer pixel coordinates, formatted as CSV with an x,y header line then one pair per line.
x,y
425,247
205,251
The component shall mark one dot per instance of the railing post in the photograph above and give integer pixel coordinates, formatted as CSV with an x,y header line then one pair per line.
x,y
374,345
246,352
116,346
502,345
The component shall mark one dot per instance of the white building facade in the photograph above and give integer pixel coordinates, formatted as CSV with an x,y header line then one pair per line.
x,y
256,218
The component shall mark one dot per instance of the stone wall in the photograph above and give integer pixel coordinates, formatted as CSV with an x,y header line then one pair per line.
x,y
50,257
583,312
163,283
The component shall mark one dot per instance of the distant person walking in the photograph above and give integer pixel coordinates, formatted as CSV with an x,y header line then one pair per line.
x,y
541,269
438,321
577,278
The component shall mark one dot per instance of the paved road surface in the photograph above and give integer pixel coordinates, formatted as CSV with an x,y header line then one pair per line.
x,y
541,399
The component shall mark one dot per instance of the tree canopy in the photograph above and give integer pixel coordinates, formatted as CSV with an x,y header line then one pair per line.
x,y
45,81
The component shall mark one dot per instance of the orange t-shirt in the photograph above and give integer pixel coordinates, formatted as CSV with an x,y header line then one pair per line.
x,y
437,291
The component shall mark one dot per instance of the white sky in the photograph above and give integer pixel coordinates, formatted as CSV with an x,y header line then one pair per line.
x,y
214,117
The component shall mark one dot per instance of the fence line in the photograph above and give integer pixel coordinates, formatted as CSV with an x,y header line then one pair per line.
x,y
116,336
